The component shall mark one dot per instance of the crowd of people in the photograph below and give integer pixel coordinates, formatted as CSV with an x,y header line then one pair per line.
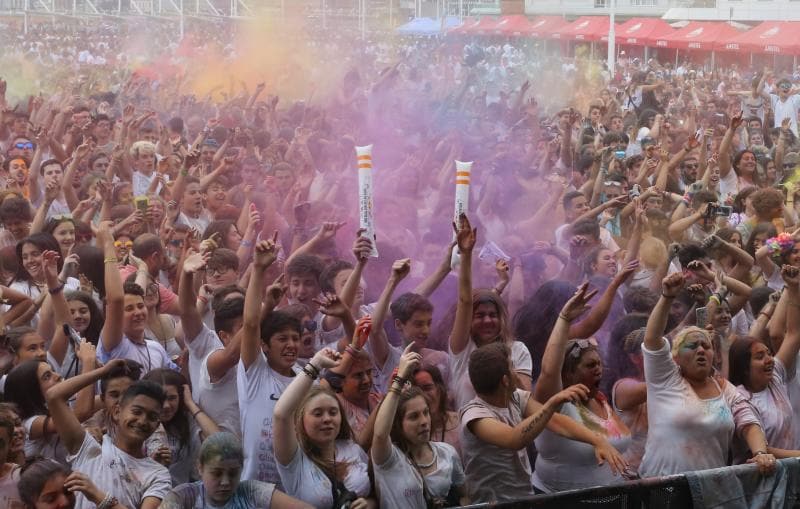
x,y
192,316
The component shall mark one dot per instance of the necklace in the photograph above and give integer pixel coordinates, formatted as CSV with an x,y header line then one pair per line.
x,y
433,461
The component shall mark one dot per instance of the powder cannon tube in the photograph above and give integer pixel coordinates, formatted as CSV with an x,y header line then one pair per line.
x,y
366,216
463,172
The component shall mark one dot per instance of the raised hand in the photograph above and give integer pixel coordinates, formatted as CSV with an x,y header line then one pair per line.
x,y
87,353
330,304
196,262
276,291
408,362
502,269
578,303
401,269
50,264
266,252
328,229
362,332
790,275
362,247
325,359
701,270
465,234
627,271
572,394
76,482
672,284
210,244
736,120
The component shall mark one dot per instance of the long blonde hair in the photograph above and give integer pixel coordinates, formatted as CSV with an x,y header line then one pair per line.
x,y
484,296
330,468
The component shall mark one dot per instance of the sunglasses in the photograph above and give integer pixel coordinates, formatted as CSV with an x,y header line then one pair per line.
x,y
613,183
310,325
580,345
25,146
127,244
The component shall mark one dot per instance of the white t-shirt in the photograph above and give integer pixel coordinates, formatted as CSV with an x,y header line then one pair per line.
x,y
33,291
219,400
248,495
697,432
183,465
259,388
494,473
151,355
114,471
49,446
774,409
304,480
728,186
563,464
785,109
399,483
460,387
141,183
9,496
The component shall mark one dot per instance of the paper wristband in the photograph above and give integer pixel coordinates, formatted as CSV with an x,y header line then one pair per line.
x,y
463,173
366,216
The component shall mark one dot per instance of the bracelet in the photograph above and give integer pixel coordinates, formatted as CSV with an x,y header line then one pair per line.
x,y
310,372
352,350
765,314
398,380
759,453
246,243
563,317
184,173
202,299
394,390
108,502
668,296
56,290
715,298
110,259
199,411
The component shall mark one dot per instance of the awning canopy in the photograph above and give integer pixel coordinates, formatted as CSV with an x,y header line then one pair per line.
x,y
585,28
514,25
699,35
484,26
543,26
462,28
427,26
779,37
641,31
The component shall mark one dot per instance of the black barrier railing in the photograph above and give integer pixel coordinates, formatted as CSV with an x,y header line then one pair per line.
x,y
670,492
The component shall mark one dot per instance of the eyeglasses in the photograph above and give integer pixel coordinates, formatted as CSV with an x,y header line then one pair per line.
x,y
25,146
127,244
580,345
175,243
612,183
310,325
218,271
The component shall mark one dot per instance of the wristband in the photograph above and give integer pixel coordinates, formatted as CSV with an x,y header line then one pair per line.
x,y
714,298
765,314
308,370
199,411
110,259
108,502
56,290
759,453
202,299
398,380
667,296
246,243
353,351
563,317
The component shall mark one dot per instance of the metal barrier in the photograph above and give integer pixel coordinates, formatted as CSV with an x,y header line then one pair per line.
x,y
670,492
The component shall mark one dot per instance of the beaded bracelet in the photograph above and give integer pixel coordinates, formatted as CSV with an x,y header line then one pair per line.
x,y
309,372
397,380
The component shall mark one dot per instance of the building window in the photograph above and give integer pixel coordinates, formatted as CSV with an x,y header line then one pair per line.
x,y
644,3
601,3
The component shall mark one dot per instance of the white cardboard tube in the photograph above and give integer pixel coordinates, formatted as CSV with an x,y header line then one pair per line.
x,y
366,216
463,175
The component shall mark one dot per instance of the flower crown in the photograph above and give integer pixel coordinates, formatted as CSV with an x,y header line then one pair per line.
x,y
780,245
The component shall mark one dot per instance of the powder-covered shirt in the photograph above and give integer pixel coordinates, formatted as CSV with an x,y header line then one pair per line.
x,y
774,409
565,464
248,495
114,471
494,473
685,432
399,483
460,388
304,480
259,388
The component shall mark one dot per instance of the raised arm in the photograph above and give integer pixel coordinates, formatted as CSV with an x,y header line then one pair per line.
x,y
465,237
66,423
382,435
284,437
266,252
725,148
432,282
592,323
549,382
111,336
191,320
657,322
379,341
787,353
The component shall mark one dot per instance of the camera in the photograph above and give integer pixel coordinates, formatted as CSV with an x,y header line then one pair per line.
x,y
715,210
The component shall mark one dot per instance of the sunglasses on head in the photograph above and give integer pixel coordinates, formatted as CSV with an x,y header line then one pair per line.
x,y
580,345
25,146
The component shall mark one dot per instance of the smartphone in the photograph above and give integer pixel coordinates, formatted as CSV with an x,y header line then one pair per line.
x,y
619,154
723,210
72,335
635,191
701,317
141,203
